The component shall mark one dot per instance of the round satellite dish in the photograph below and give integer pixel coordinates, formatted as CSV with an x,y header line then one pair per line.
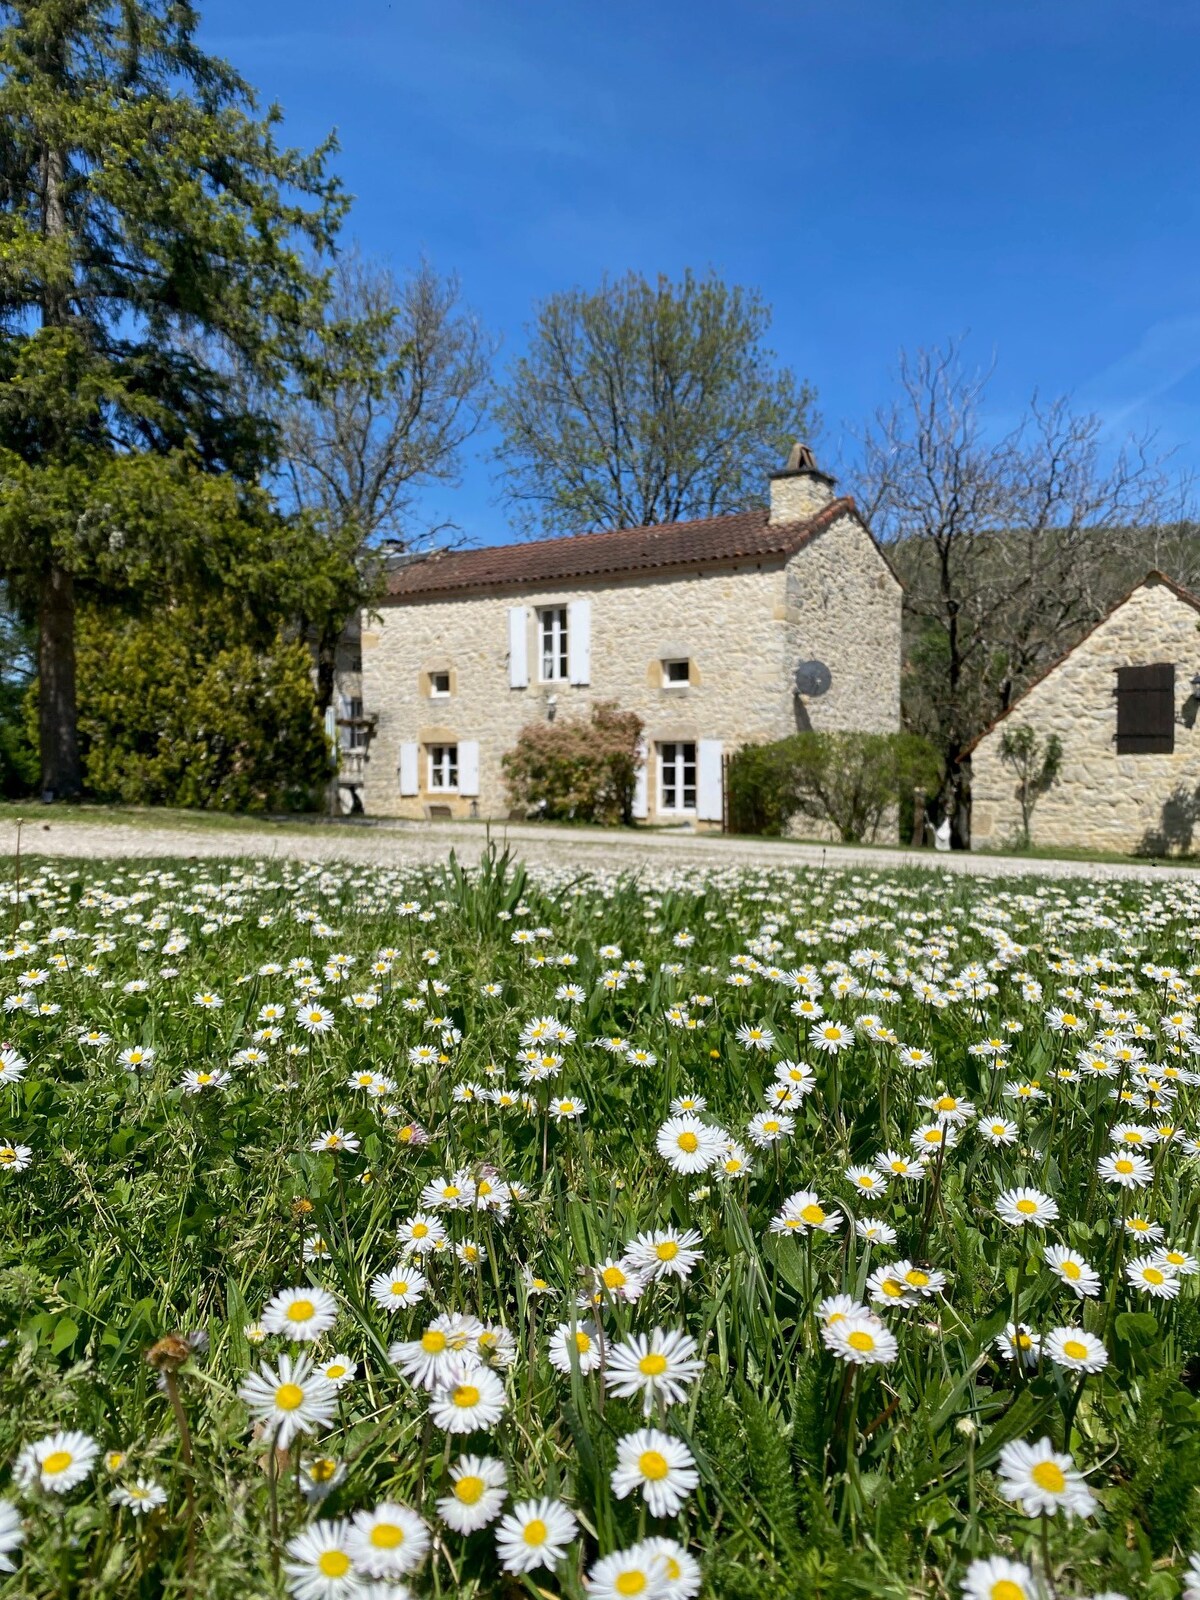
x,y
813,679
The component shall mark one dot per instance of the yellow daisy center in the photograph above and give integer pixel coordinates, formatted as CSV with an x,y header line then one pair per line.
x,y
653,1365
289,1397
1153,1275
861,1340
1047,1475
433,1341
631,1582
466,1395
387,1535
688,1142
1075,1348
582,1343
613,1277
333,1563
667,1250
57,1461
1027,1208
1006,1589
813,1214
652,1464
469,1490
1071,1270
535,1532
300,1310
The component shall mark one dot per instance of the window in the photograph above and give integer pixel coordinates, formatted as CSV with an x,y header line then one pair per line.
x,y
355,735
677,777
439,685
676,674
552,631
443,766
1146,710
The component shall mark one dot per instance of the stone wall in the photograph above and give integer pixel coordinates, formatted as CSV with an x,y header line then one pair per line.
x,y
1102,800
739,626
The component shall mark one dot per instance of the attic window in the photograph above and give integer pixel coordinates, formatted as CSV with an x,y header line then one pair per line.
x,y
676,674
1146,709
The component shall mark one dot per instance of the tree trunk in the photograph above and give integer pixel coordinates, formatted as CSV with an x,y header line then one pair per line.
x,y
58,730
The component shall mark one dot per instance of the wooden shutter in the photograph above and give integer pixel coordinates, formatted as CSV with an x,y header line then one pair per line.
x,y
518,649
579,641
1146,709
468,766
410,755
709,785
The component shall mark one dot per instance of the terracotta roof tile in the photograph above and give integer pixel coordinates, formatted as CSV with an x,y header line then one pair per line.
x,y
745,535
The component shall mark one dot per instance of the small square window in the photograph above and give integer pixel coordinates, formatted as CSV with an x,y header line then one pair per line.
x,y
439,685
676,674
443,766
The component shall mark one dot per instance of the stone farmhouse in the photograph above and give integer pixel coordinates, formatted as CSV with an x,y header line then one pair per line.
x,y
716,632
1123,702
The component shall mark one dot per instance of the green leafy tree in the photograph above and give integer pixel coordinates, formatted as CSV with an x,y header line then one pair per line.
x,y
179,709
1035,762
644,403
849,781
152,242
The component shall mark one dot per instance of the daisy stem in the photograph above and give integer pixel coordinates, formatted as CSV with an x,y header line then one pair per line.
x,y
1046,1567
273,1501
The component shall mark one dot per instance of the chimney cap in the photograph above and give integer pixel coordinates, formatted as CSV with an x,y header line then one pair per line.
x,y
802,463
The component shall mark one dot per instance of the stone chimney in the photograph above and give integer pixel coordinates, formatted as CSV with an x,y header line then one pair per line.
x,y
801,489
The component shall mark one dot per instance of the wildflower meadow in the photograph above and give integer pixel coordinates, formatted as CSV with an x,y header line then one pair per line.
x,y
475,1232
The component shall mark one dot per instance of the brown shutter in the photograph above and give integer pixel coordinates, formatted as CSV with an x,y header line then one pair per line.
x,y
1146,709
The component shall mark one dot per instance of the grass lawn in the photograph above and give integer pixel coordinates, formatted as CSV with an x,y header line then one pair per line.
x,y
741,1233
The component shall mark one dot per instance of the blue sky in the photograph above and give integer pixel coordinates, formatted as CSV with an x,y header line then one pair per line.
x,y
887,173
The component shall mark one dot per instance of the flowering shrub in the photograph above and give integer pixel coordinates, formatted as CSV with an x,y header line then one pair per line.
x,y
576,770
469,1233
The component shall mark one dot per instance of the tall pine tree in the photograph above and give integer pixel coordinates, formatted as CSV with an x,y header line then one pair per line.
x,y
153,241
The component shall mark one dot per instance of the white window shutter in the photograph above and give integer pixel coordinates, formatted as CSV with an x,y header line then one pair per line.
x,y
709,781
641,784
468,766
518,649
579,641
409,778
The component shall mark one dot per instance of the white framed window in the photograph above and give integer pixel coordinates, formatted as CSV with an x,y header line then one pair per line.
x,y
677,777
676,674
552,641
443,766
439,685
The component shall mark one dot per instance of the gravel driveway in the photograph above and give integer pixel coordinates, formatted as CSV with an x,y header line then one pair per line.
x,y
388,843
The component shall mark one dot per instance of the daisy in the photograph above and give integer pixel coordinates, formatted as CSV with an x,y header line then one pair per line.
x,y
580,1344
689,1145
640,1572
12,1535
140,1497
1041,1481
472,1397
658,1466
1179,1261
802,1212
931,1137
1076,1350
314,1019
478,1487
830,1037
1020,1342
860,1339
897,1165
1025,1207
195,1082
1126,1170
320,1476
757,1037
420,1233
997,1578
666,1253
1149,1274
1074,1271
291,1400
387,1542
319,1565
430,1360
399,1288
56,1463
769,1127
336,1139
301,1314
999,1131
535,1533
14,1157
340,1371
867,1181
1142,1228
887,1287
682,1569
875,1232
658,1366
620,1279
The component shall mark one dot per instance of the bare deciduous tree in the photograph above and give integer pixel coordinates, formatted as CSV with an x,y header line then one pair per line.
x,y
401,380
1009,547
